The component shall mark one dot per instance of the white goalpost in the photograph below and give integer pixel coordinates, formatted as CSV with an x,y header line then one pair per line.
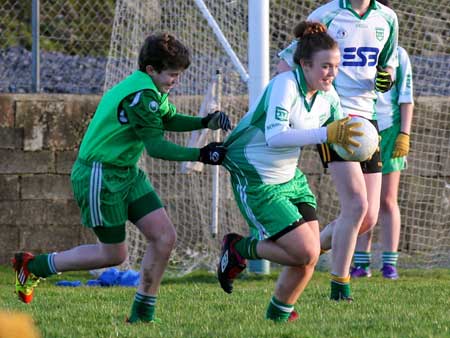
x,y
258,63
241,38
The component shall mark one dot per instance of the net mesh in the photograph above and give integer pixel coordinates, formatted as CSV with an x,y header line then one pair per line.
x,y
424,187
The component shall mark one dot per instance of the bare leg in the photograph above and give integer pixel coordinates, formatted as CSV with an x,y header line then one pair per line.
x,y
364,242
373,185
326,235
373,188
293,248
93,256
298,250
161,236
350,185
390,212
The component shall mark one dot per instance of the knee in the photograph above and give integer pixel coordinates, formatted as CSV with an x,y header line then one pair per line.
x,y
388,204
356,209
116,255
166,240
359,206
368,224
309,255
370,219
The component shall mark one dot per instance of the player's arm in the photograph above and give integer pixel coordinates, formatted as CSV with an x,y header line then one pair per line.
x,y
405,91
180,122
388,59
174,121
406,113
402,143
406,102
279,132
146,118
388,55
151,131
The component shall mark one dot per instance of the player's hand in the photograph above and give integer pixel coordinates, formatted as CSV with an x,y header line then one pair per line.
x,y
383,80
217,120
376,150
401,147
342,132
213,153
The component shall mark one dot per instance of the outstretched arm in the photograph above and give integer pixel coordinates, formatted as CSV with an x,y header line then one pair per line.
x,y
339,132
181,122
214,121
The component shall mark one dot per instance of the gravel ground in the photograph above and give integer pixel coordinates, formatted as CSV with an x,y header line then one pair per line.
x,y
62,73
59,73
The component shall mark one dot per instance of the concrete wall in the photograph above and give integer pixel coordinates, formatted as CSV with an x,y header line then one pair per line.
x,y
40,135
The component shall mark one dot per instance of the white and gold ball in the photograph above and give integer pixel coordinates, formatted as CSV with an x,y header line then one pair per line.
x,y
369,142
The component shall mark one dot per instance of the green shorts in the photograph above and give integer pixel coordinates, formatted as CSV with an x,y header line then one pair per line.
x,y
387,145
270,208
108,196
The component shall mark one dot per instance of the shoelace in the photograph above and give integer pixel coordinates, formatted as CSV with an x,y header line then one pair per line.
x,y
32,282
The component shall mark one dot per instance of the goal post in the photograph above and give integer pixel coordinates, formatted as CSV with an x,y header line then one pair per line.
x,y
259,67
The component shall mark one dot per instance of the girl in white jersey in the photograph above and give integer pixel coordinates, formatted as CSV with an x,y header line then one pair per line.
x,y
367,36
262,157
394,113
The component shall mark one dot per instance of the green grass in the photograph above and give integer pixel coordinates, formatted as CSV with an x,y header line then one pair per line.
x,y
417,305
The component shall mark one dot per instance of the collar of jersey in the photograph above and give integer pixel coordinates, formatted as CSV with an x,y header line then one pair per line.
x,y
346,4
302,87
155,89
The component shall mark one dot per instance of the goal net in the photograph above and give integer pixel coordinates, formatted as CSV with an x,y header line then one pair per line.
x,y
425,185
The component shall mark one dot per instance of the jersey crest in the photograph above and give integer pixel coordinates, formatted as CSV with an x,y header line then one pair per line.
x,y
122,117
153,106
379,33
281,114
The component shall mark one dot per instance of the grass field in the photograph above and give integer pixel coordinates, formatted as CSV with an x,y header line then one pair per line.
x,y
417,305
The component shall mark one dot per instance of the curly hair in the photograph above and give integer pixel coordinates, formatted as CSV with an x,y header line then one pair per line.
x,y
312,37
163,51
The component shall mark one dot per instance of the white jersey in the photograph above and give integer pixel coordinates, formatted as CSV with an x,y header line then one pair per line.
x,y
388,104
364,42
282,106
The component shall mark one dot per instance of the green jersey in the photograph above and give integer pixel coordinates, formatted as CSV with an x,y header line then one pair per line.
x,y
130,116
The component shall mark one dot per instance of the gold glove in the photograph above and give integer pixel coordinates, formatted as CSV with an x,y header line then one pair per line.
x,y
342,131
401,147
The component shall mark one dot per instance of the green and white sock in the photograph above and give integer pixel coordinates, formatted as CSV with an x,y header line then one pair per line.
x,y
43,265
362,259
247,247
143,308
340,287
389,258
278,311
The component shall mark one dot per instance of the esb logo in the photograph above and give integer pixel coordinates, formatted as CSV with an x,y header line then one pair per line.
x,y
362,56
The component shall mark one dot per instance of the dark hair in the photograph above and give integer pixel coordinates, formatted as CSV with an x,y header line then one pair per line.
x,y
312,38
387,3
163,51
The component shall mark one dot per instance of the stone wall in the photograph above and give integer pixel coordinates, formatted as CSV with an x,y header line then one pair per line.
x,y
40,135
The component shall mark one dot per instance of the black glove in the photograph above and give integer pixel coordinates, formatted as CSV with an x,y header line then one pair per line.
x,y
383,80
213,153
217,120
